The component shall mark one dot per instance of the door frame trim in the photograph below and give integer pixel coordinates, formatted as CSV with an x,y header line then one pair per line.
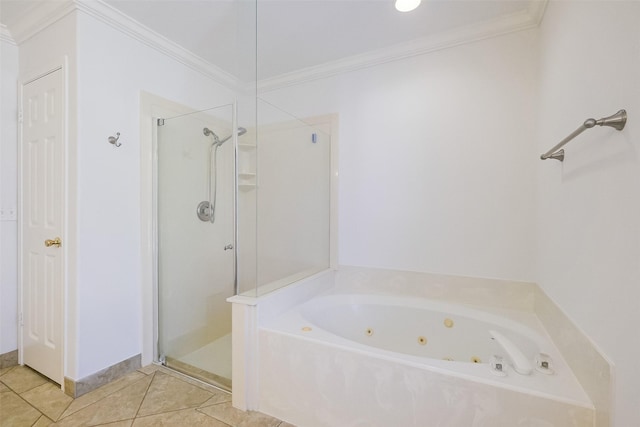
x,y
24,79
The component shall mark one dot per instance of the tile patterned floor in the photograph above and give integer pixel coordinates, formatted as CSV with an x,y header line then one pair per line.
x,y
151,396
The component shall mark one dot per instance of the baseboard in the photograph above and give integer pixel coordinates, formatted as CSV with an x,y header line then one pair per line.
x,y
91,382
9,359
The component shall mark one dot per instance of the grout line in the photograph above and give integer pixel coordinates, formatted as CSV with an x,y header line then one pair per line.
x,y
112,422
212,404
103,397
231,407
23,391
198,409
11,368
157,368
58,417
182,409
145,395
47,380
65,408
27,402
193,381
39,418
246,415
211,416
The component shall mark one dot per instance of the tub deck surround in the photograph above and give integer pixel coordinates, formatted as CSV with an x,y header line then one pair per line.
x,y
594,371
300,368
487,293
312,385
245,320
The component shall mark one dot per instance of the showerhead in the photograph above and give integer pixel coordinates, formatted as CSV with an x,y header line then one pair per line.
x,y
241,131
217,141
209,132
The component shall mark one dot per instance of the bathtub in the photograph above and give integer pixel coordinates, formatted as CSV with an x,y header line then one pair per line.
x,y
419,327
357,359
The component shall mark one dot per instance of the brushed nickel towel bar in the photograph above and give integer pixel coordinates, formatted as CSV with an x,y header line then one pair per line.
x,y
616,121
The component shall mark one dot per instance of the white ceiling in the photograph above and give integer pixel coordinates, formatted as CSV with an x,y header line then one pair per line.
x,y
291,34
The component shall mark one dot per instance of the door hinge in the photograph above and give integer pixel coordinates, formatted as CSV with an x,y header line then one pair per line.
x,y
160,122
20,117
20,319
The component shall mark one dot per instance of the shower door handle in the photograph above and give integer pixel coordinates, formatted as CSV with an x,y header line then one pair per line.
x,y
229,246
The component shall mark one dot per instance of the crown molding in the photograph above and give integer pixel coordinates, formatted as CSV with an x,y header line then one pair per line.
x,y
5,35
38,18
129,26
522,20
49,12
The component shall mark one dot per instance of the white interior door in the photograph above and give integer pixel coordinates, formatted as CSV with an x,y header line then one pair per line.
x,y
42,220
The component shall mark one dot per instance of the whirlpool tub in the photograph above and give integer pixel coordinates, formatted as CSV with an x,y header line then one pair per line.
x,y
380,360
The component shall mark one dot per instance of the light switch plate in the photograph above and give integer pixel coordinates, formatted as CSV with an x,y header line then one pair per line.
x,y
9,214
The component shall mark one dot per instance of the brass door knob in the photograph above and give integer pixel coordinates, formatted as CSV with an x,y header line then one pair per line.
x,y
55,242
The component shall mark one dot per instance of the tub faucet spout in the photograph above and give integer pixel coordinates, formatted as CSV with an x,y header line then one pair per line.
x,y
520,362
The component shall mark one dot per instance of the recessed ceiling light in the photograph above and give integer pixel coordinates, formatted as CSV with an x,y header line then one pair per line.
x,y
407,5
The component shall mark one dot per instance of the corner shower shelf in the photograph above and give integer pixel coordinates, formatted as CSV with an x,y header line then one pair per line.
x,y
247,180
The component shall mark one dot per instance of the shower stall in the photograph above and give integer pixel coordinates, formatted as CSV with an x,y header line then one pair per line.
x,y
194,245
241,207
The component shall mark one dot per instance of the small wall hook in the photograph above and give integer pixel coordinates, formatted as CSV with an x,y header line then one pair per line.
x,y
114,140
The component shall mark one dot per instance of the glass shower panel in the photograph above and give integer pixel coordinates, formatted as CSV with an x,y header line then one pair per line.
x,y
293,198
247,198
246,50
195,264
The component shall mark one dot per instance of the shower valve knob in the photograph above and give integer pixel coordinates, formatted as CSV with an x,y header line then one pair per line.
x,y
229,246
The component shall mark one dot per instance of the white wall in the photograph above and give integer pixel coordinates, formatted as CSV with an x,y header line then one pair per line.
x,y
8,197
437,158
589,206
112,70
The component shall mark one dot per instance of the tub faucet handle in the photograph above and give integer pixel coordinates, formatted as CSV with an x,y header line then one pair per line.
x,y
498,367
520,362
543,363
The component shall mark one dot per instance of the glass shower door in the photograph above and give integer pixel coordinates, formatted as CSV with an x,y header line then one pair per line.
x,y
195,223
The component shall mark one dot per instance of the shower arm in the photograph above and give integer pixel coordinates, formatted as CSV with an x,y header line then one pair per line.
x,y
616,121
